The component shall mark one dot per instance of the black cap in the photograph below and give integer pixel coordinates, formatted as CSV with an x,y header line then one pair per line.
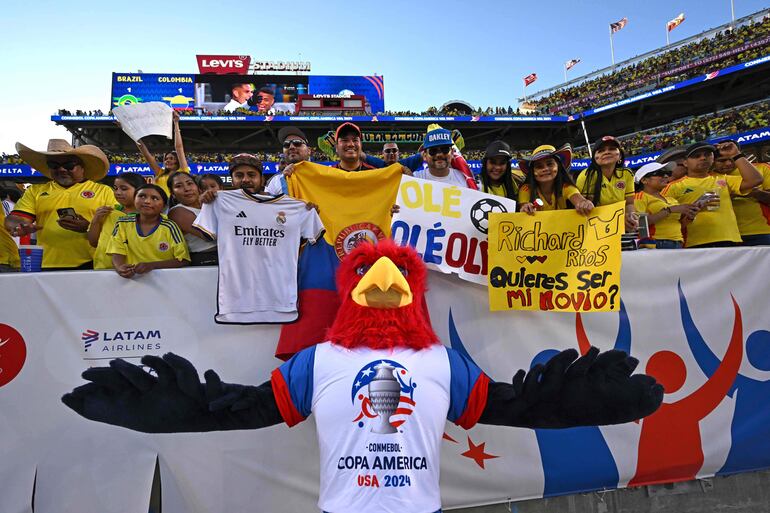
x,y
703,145
286,131
607,139
671,154
497,149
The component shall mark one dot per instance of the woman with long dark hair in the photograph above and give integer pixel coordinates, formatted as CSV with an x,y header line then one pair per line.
x,y
608,181
497,177
548,185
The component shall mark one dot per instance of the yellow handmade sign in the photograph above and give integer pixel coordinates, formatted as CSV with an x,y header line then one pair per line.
x,y
556,261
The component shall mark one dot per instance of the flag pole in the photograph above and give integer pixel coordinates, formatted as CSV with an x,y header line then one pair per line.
x,y
667,31
524,89
565,72
732,10
612,49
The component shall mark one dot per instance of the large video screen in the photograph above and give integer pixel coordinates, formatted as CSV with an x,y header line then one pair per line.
x,y
258,93
176,90
372,87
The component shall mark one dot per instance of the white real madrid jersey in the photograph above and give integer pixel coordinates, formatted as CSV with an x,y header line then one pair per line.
x,y
380,417
258,239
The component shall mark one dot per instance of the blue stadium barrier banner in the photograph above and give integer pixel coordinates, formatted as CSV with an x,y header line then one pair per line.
x,y
362,119
702,329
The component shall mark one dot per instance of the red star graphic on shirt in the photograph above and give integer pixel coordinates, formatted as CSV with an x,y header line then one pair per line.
x,y
477,454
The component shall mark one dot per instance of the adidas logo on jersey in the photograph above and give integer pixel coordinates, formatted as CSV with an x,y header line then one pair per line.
x,y
241,214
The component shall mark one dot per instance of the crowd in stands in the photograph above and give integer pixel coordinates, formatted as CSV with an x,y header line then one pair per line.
x,y
678,133
697,128
682,63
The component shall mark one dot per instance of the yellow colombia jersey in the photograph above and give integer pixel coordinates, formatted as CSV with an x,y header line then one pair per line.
x,y
667,228
497,190
101,259
709,225
567,191
343,208
753,217
619,187
63,248
9,252
165,242
162,180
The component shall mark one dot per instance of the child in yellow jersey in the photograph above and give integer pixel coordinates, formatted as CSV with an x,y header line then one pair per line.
x,y
548,185
496,174
664,216
716,225
103,223
607,181
147,240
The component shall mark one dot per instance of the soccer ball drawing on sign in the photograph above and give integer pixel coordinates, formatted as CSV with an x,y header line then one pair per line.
x,y
480,213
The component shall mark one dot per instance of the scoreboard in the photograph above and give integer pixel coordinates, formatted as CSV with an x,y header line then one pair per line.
x,y
178,91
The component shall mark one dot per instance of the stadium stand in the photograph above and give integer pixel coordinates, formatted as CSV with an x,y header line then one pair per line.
x,y
710,50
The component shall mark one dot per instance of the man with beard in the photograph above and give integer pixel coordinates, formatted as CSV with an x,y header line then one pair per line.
x,y
62,208
715,225
295,149
246,173
437,154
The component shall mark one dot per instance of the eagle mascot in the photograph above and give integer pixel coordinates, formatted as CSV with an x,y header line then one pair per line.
x,y
405,384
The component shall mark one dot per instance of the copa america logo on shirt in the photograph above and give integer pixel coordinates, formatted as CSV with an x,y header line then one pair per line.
x,y
384,391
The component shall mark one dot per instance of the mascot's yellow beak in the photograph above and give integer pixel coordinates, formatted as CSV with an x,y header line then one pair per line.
x,y
383,286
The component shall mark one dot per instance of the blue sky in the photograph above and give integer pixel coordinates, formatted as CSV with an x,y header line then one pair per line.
x,y
61,54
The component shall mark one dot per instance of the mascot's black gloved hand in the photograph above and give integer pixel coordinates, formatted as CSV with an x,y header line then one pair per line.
x,y
595,389
125,395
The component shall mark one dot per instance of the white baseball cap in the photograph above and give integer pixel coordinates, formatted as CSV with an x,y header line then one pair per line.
x,y
652,167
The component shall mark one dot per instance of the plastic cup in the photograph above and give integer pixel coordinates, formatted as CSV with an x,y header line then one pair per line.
x,y
31,258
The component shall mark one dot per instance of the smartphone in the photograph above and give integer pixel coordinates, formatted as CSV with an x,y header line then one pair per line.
x,y
66,212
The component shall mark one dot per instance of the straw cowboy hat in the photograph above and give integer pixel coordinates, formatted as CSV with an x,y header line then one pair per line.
x,y
94,160
563,154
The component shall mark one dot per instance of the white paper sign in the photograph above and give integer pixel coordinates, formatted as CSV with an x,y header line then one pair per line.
x,y
142,119
447,225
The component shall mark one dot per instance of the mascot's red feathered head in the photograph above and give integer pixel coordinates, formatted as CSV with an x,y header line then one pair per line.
x,y
382,291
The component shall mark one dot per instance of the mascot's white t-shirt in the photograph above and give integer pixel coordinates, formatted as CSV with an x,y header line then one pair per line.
x,y
380,417
253,229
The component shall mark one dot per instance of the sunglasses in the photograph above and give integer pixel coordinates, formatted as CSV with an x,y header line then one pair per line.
x,y
662,174
293,142
439,149
390,150
69,166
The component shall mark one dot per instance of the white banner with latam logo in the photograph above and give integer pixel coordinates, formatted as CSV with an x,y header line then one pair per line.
x,y
697,319
447,225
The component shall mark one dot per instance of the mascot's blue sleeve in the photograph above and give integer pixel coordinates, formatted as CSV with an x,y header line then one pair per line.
x,y
468,390
292,385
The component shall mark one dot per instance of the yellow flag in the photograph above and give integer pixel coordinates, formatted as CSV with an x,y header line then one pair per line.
x,y
556,260
353,206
